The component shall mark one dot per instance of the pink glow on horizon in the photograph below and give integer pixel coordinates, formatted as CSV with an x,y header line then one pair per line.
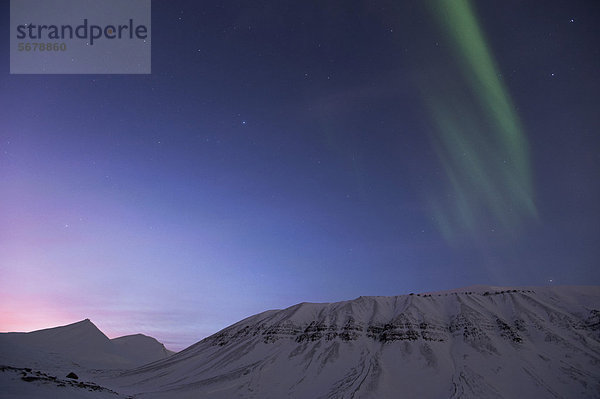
x,y
30,314
25,314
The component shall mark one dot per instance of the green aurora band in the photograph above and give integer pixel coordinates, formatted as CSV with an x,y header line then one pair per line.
x,y
477,137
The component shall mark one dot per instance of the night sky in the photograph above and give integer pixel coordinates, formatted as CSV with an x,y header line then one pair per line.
x,y
290,151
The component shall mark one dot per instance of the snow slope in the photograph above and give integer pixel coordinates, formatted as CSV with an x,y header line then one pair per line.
x,y
25,383
477,342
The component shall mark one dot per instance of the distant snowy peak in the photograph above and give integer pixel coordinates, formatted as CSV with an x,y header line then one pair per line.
x,y
140,347
76,337
83,343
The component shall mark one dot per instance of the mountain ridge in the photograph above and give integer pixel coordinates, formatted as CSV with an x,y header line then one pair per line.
x,y
464,343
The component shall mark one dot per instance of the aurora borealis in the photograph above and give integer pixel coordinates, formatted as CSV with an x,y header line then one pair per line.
x,y
283,152
479,140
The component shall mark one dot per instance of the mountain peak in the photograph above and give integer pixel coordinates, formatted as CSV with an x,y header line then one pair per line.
x,y
82,342
81,323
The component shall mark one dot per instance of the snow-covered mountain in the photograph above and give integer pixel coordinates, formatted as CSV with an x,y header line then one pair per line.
x,y
479,342
39,364
81,345
140,349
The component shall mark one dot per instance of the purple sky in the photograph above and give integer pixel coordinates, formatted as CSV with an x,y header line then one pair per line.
x,y
287,152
